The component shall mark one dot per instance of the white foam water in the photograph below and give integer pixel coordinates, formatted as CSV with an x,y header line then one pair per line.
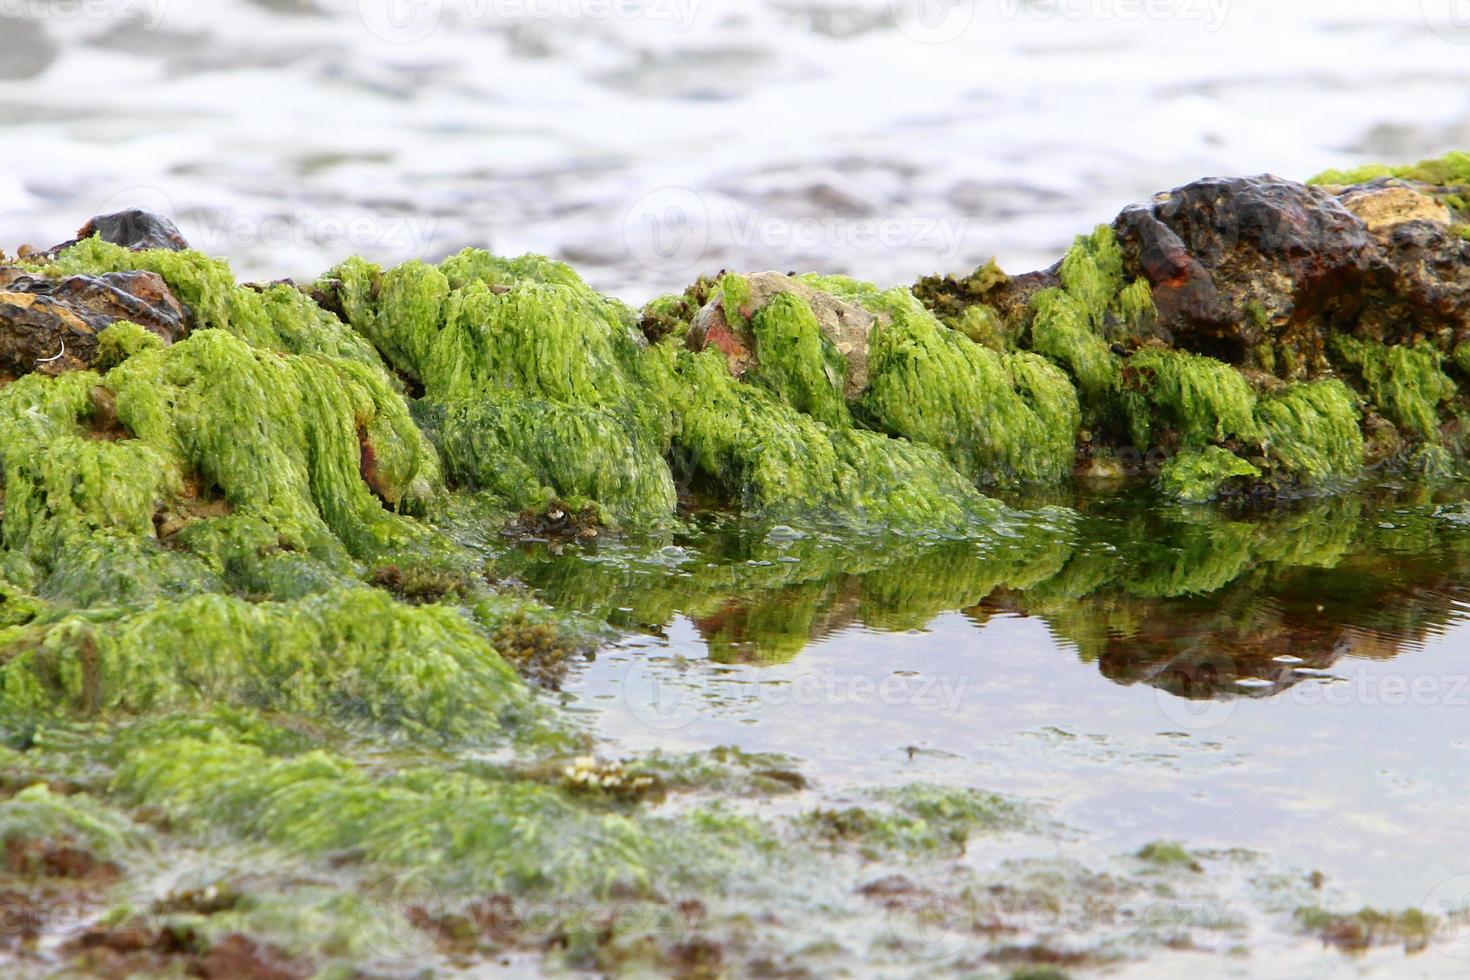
x,y
646,141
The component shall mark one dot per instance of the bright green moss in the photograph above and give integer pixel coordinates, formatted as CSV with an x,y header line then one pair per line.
x,y
1092,271
936,387
1406,383
61,481
1196,476
283,437
800,366
531,378
351,655
277,317
1313,432
1064,330
1201,399
984,326
1075,324
775,461
1451,169
121,340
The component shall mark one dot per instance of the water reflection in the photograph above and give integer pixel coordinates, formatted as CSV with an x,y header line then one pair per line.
x,y
1203,603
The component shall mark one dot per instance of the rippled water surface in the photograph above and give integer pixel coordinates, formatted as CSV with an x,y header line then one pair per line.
x,y
646,142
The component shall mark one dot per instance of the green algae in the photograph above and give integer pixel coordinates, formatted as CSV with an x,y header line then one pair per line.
x,y
61,483
1313,432
796,362
1197,398
284,437
118,341
457,829
1367,927
918,818
1407,384
277,317
999,418
1168,854
1197,476
37,815
531,380
1452,168
773,460
1064,331
353,655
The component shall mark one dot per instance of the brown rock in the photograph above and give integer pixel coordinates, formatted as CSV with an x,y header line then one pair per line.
x,y
51,325
1240,262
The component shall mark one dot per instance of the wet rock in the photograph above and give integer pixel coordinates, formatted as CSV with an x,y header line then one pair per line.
x,y
1237,263
38,333
136,229
1260,271
51,325
1428,291
847,325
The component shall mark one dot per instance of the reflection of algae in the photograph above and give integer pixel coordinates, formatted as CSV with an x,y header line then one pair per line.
x,y
1098,582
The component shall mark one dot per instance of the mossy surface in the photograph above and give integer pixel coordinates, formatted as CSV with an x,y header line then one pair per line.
x,y
1407,384
1196,399
1313,432
999,418
1197,476
352,655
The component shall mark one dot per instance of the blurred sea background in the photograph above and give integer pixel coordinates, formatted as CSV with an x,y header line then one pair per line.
x,y
646,141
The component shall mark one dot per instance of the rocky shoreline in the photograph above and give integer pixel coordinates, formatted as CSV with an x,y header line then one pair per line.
x,y
249,534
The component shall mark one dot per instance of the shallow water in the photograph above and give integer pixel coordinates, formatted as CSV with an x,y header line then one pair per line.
x,y
1291,682
649,142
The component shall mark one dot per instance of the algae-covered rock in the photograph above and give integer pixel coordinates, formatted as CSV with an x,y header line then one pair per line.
x,y
351,655
1198,475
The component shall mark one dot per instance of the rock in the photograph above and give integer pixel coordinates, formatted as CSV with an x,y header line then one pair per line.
x,y
37,333
1387,203
134,228
1235,263
846,325
1260,271
51,325
1428,291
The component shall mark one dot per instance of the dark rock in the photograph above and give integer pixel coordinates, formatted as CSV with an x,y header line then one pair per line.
x,y
1428,292
134,228
1238,263
142,297
51,325
39,333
